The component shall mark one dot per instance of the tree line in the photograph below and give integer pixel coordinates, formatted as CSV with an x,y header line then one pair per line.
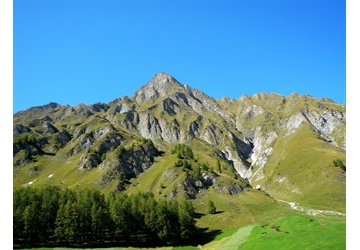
x,y
52,216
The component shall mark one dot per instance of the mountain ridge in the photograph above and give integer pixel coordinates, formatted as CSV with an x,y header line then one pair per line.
x,y
248,133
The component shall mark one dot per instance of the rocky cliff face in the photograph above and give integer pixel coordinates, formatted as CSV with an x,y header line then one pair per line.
x,y
246,132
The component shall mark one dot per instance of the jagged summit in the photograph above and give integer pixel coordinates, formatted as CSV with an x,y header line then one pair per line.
x,y
159,86
163,77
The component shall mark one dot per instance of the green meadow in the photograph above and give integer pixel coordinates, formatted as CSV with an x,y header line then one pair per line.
x,y
294,231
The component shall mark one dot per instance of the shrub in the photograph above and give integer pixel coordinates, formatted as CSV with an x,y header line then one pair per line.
x,y
121,176
339,164
183,151
178,163
120,150
264,224
211,207
218,165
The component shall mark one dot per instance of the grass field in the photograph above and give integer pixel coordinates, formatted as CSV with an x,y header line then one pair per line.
x,y
295,231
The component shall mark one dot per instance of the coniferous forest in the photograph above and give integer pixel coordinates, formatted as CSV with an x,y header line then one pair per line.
x,y
51,216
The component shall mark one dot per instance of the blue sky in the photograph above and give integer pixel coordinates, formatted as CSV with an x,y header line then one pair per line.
x,y
80,51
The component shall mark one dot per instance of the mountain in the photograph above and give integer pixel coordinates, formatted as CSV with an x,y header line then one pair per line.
x,y
177,141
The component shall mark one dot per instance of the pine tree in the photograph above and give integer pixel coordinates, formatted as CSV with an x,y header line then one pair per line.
x,y
186,220
31,222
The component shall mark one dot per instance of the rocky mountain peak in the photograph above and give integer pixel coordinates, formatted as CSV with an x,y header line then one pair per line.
x,y
163,77
159,86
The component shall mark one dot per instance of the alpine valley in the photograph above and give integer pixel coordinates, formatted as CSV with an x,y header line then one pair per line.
x,y
273,166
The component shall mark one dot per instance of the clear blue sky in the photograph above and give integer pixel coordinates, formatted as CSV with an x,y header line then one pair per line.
x,y
80,51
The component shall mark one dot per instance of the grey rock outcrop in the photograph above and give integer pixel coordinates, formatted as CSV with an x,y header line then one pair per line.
x,y
89,161
230,189
327,123
84,142
49,129
19,129
131,163
149,126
